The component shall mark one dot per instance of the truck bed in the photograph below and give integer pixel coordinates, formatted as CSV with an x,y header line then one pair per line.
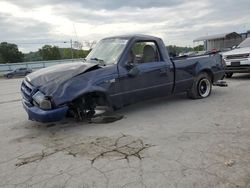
x,y
186,68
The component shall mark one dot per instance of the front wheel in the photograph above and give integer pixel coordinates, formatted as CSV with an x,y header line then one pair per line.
x,y
83,108
202,87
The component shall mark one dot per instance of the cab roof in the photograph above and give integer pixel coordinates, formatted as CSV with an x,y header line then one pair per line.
x,y
135,36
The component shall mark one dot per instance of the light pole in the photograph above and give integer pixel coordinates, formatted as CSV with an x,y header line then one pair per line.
x,y
72,55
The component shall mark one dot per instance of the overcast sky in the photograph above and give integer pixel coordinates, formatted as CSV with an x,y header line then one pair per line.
x,y
178,22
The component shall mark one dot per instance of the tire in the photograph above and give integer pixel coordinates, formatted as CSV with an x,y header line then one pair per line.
x,y
201,88
229,75
9,76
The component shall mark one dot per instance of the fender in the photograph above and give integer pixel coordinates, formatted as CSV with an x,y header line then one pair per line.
x,y
82,85
212,68
208,71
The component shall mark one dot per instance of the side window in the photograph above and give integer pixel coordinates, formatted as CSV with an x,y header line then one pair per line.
x,y
145,52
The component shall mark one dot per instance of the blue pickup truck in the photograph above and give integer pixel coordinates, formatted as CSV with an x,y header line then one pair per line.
x,y
119,71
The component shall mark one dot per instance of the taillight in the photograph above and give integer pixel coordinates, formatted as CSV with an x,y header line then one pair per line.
x,y
223,62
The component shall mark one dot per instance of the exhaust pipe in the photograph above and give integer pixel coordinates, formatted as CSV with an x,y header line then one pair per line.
x,y
220,83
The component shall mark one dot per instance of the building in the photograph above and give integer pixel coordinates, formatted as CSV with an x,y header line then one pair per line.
x,y
245,35
220,41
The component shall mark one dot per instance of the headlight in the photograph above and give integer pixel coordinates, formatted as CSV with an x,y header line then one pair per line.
x,y
45,104
42,100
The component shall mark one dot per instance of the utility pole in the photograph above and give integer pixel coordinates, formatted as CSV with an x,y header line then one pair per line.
x,y
72,55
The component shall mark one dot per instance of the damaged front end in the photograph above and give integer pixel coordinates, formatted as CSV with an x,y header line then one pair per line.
x,y
51,94
39,87
38,106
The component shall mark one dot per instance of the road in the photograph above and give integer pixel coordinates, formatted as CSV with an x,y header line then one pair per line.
x,y
170,142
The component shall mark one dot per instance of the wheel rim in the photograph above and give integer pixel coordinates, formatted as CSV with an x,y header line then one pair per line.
x,y
204,87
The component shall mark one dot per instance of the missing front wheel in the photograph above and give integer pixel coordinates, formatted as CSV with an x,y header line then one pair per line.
x,y
83,108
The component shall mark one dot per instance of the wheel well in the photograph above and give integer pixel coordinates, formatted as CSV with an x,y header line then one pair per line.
x,y
84,106
99,98
210,74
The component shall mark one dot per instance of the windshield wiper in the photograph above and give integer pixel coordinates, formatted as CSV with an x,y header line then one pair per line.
x,y
100,61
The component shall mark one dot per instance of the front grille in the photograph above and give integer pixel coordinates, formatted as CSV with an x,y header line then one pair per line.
x,y
27,91
238,56
239,67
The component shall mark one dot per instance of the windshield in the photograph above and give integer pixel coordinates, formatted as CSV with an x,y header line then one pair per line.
x,y
245,43
108,50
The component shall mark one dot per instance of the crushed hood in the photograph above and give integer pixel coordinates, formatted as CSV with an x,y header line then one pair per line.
x,y
52,77
237,51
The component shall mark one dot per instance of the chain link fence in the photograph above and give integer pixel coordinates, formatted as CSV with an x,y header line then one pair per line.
x,y
34,65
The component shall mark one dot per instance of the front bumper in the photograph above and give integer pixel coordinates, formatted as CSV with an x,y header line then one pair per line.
x,y
238,69
238,66
37,114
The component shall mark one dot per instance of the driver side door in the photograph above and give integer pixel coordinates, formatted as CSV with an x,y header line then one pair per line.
x,y
151,76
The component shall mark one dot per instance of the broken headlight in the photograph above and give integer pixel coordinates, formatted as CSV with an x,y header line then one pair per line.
x,y
42,101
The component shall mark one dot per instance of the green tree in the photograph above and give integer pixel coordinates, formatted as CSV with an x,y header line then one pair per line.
x,y
81,53
176,50
49,52
32,56
1,59
138,48
199,48
9,53
66,53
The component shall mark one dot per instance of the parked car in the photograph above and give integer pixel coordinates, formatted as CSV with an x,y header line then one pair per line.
x,y
18,72
119,71
238,59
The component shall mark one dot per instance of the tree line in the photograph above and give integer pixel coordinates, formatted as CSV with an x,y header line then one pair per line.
x,y
9,53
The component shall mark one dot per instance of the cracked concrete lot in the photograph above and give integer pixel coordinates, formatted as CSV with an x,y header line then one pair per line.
x,y
173,142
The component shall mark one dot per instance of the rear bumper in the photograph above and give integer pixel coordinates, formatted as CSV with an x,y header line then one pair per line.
x,y
37,114
219,75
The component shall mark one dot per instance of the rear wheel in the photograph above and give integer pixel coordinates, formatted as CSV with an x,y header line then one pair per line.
x,y
202,87
9,76
229,75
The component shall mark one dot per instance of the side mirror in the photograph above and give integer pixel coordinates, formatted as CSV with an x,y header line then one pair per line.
x,y
133,72
129,65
